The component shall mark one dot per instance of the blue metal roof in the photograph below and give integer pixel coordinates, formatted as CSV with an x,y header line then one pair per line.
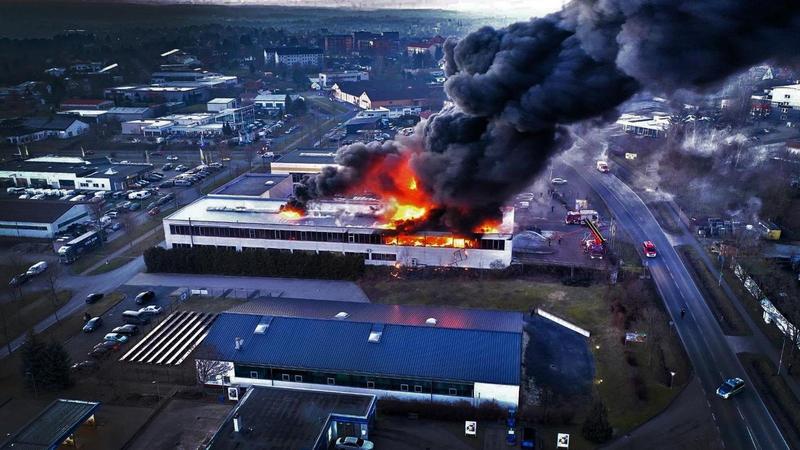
x,y
339,346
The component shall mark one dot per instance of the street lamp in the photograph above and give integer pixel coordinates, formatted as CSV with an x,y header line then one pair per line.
x,y
671,376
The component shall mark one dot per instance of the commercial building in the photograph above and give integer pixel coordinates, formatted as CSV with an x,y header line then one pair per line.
x,y
785,103
56,426
39,128
39,218
655,126
274,102
88,116
290,56
126,113
294,419
405,352
169,92
328,79
303,161
263,185
72,173
338,44
148,127
345,226
219,104
374,94
86,103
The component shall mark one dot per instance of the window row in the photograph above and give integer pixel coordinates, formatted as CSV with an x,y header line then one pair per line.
x,y
361,381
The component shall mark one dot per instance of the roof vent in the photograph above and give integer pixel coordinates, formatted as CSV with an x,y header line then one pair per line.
x,y
238,343
375,333
262,326
431,321
341,315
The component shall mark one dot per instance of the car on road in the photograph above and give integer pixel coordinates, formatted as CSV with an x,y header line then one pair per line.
x,y
129,330
730,387
144,297
20,279
649,249
92,324
37,268
154,211
350,442
114,337
151,309
558,181
171,158
94,297
85,366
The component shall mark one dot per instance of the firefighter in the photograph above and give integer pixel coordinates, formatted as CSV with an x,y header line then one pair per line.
x,y
683,312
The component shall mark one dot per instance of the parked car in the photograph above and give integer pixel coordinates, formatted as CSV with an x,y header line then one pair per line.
x,y
166,167
114,337
113,214
171,158
94,297
151,309
155,211
730,387
85,366
558,181
144,297
134,207
92,324
116,226
167,184
130,330
180,168
37,268
350,443
19,280
100,352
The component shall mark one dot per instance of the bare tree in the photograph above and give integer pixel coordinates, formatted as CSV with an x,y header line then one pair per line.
x,y
51,277
209,365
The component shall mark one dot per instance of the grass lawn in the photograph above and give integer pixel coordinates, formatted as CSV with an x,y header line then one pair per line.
x,y
619,369
19,316
130,253
727,315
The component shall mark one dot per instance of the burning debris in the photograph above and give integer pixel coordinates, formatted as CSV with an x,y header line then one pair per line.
x,y
516,89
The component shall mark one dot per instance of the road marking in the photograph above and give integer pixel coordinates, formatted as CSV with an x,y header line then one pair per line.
x,y
749,433
713,416
740,412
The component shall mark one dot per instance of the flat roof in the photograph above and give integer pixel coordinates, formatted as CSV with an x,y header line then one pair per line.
x,y
403,351
309,156
83,169
416,315
128,110
251,184
53,425
222,100
280,418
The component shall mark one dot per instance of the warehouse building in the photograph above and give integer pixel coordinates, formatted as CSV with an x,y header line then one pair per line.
x,y
347,226
400,351
263,185
62,172
40,219
294,419
303,161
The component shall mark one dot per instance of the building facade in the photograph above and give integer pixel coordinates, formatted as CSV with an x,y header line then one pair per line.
x,y
343,226
40,219
290,56
72,173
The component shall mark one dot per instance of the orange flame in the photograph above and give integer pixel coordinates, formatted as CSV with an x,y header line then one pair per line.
x,y
289,212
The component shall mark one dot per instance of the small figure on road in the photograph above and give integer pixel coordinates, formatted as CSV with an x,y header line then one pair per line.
x,y
683,312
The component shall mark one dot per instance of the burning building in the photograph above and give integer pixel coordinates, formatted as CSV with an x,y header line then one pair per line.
x,y
376,229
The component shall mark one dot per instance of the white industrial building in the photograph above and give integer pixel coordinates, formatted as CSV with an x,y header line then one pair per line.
x,y
786,96
62,172
347,226
655,126
291,56
39,218
303,161
274,102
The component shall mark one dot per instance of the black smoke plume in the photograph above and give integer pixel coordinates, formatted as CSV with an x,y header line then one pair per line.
x,y
514,90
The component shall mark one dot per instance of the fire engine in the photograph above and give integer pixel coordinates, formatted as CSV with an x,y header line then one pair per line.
x,y
579,217
595,246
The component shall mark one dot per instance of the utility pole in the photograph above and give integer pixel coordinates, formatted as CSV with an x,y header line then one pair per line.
x,y
780,360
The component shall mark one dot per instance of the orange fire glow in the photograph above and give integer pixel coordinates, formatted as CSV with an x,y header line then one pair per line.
x,y
289,212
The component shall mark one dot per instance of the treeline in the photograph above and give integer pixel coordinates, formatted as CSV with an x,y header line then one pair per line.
x,y
256,262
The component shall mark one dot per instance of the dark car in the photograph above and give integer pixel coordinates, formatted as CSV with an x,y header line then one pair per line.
x,y
92,324
144,297
111,345
85,366
167,184
19,280
130,330
134,207
94,297
100,352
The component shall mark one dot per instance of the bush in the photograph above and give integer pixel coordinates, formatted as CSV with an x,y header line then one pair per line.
x,y
639,387
596,427
259,262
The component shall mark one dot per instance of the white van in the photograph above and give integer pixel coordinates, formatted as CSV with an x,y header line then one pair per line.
x,y
139,195
37,268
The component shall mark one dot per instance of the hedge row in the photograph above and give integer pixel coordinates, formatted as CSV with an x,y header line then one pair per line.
x,y
272,263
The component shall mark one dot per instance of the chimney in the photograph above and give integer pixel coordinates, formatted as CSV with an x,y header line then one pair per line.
x,y
237,423
238,343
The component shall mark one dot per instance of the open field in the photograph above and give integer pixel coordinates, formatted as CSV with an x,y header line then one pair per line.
x,y
633,380
727,315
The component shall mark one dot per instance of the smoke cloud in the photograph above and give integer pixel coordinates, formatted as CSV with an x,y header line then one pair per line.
x,y
515,91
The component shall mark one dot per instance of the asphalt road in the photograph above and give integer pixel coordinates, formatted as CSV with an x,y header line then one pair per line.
x,y
743,420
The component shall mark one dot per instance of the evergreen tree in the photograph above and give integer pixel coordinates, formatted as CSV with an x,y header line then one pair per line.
x,y
45,366
596,427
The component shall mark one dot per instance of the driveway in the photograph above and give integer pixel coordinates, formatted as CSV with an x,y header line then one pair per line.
x,y
275,287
